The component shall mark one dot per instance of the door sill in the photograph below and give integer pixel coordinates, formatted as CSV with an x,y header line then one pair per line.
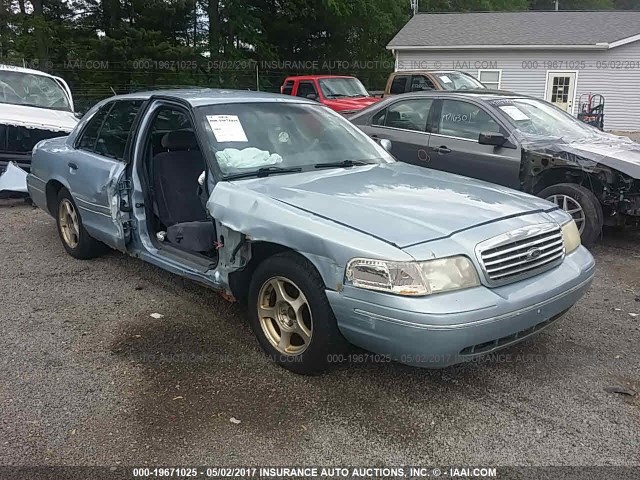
x,y
192,260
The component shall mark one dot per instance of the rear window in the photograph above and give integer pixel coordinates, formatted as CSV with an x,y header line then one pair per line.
x,y
399,84
287,88
420,83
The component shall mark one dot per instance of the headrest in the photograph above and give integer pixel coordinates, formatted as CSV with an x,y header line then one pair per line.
x,y
179,140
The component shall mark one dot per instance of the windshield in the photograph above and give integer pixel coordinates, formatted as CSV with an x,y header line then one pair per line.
x,y
32,90
535,117
342,87
244,137
458,81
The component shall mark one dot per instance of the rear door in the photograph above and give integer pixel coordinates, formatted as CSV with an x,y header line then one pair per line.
x,y
98,176
404,122
453,144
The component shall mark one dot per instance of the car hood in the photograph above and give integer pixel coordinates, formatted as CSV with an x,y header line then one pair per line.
x,y
399,203
613,151
35,117
350,104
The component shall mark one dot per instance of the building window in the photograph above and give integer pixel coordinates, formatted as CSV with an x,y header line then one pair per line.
x,y
490,78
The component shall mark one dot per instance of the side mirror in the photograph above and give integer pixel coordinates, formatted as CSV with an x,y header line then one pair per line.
x,y
495,139
312,96
386,144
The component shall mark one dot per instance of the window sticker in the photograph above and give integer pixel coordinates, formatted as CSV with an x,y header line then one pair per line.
x,y
227,128
445,79
514,112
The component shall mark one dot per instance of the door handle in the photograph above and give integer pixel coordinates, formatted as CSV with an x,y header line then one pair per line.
x,y
442,149
73,166
375,137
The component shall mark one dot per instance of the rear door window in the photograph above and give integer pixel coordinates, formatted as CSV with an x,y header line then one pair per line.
x,y
116,129
90,133
399,84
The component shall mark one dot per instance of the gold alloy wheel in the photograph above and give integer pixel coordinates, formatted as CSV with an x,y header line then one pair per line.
x,y
69,224
285,316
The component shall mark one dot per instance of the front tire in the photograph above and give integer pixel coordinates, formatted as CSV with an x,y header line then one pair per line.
x,y
582,205
291,316
75,239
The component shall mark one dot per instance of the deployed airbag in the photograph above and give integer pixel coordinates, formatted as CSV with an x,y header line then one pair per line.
x,y
232,158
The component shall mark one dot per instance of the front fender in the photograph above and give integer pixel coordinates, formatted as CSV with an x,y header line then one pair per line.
x,y
245,214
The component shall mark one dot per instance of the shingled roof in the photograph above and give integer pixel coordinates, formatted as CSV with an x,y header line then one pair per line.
x,y
529,29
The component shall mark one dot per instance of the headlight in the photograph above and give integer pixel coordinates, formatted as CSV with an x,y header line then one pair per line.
x,y
412,278
570,236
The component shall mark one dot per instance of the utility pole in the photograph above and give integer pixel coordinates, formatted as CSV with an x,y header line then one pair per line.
x,y
556,2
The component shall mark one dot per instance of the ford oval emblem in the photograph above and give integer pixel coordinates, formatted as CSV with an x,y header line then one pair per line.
x,y
534,253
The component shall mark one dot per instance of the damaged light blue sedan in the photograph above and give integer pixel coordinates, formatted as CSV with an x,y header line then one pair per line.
x,y
282,204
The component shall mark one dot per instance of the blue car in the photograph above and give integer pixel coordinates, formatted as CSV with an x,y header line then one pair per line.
x,y
282,204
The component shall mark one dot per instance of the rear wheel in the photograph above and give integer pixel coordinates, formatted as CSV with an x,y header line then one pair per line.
x,y
582,205
291,316
75,239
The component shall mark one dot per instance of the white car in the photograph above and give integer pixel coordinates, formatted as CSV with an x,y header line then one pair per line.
x,y
35,106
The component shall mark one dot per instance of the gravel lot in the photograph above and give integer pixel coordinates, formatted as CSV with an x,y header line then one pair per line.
x,y
87,377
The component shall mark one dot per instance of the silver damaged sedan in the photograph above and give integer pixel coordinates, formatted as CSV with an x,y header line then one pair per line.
x,y
281,203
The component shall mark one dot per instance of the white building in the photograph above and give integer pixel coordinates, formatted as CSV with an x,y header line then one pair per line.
x,y
559,56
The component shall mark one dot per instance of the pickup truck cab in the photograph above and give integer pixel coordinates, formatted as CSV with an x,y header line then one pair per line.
x,y
343,94
421,80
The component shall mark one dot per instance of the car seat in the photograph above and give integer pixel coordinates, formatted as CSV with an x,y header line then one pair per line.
x,y
177,204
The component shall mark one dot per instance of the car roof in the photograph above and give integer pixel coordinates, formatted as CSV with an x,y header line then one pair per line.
x,y
483,94
479,93
411,72
198,97
315,77
12,68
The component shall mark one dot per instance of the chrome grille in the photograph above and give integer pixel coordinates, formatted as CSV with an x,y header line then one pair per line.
x,y
521,253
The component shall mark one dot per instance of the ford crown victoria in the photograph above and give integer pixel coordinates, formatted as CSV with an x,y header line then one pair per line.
x,y
282,204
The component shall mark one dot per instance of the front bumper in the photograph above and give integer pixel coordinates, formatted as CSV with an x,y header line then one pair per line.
x,y
23,160
444,329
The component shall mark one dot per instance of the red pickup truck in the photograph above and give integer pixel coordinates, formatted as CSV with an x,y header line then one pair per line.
x,y
341,93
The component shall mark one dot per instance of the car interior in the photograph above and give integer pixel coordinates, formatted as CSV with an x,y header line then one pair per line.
x,y
174,169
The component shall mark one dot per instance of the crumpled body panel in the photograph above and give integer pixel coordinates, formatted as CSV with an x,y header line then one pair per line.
x,y
14,179
609,165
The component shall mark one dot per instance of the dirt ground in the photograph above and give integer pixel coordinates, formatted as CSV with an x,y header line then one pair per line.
x,y
88,377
